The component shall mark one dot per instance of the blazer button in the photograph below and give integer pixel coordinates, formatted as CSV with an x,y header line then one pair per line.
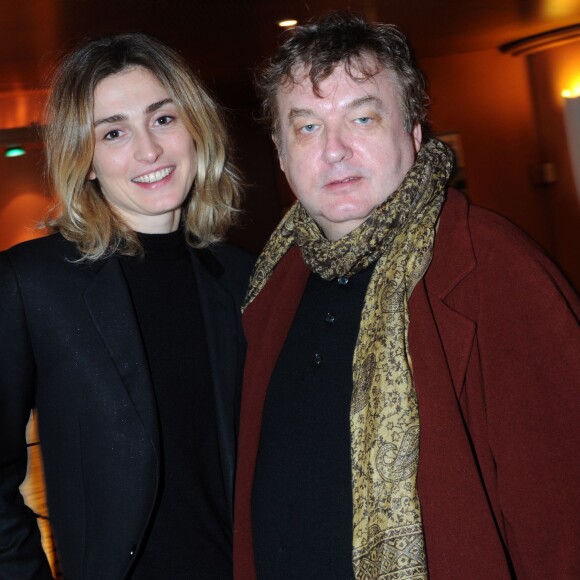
x,y
133,550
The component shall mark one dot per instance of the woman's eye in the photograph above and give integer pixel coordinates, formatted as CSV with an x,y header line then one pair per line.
x,y
165,120
114,134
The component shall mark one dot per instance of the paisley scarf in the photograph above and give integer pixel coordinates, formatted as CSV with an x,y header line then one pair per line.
x,y
398,236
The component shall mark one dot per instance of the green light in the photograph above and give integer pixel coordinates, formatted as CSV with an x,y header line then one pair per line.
x,y
15,152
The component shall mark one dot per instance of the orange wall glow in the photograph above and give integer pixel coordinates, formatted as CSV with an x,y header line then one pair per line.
x,y
19,218
23,198
20,108
508,113
484,97
551,72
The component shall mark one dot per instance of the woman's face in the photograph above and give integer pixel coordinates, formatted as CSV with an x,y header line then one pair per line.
x,y
145,159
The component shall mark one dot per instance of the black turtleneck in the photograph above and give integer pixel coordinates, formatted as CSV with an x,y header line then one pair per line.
x,y
189,535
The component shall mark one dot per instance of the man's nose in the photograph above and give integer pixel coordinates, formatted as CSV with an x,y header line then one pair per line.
x,y
337,147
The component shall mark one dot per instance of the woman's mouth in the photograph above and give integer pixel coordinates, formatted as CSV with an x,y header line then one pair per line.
x,y
154,176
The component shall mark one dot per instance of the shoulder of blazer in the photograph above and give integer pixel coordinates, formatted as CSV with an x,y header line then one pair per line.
x,y
228,264
51,245
49,256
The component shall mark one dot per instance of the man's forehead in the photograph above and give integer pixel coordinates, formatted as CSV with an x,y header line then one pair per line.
x,y
355,74
360,68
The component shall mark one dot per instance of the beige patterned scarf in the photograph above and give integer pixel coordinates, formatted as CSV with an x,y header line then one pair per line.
x,y
388,538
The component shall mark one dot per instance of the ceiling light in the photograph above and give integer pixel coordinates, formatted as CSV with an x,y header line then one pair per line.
x,y
287,23
15,152
571,93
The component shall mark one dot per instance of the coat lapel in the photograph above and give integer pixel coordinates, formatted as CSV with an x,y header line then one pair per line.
x,y
111,309
453,261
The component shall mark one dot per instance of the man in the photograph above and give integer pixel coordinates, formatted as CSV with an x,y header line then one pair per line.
x,y
410,404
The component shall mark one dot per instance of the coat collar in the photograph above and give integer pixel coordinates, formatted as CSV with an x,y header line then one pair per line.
x,y
453,255
452,264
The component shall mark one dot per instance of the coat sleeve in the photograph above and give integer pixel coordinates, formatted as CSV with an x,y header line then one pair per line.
x,y
21,554
529,345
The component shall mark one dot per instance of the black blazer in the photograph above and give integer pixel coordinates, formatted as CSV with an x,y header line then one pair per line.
x,y
72,347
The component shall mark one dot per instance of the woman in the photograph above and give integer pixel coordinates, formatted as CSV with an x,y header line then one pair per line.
x,y
123,328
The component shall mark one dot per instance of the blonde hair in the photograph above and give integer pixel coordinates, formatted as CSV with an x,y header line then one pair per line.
x,y
82,214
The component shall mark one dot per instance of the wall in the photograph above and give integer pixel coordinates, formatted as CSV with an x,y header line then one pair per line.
x,y
23,199
19,108
486,97
551,72
260,203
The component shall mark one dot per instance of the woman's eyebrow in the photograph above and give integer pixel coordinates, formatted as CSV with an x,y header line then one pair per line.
x,y
122,117
111,119
155,106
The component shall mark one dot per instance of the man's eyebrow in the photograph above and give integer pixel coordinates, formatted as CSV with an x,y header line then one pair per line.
x,y
299,113
368,100
122,117
361,102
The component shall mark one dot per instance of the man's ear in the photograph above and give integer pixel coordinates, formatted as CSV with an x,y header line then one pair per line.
x,y
278,146
417,135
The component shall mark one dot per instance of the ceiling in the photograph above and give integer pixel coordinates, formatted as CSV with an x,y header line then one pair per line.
x,y
224,39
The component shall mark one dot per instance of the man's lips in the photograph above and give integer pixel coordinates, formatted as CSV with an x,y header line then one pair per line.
x,y
343,181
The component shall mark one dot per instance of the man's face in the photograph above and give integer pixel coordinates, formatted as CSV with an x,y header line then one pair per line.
x,y
345,152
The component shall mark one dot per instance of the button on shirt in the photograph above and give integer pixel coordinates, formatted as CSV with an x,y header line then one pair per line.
x,y
302,499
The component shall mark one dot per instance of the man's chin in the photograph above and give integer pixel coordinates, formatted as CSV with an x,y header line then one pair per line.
x,y
340,225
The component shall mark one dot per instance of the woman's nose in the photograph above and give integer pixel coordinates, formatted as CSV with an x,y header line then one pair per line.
x,y
148,148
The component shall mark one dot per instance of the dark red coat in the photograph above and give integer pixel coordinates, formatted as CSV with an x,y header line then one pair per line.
x,y
495,342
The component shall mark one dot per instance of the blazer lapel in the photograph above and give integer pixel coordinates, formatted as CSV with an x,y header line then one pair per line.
x,y
111,309
222,330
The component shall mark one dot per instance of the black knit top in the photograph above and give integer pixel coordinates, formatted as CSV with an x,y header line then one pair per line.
x,y
189,534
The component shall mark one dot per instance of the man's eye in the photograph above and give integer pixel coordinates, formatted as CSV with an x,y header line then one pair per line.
x,y
114,134
308,128
363,120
